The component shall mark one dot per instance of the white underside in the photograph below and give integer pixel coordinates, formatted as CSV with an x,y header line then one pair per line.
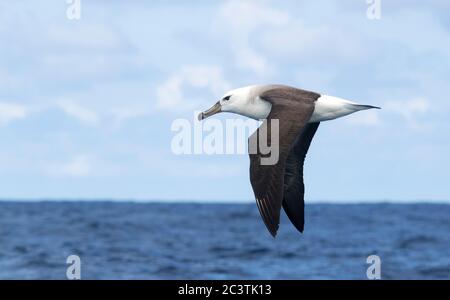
x,y
330,108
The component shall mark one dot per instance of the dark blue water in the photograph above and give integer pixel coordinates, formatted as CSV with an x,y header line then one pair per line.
x,y
205,241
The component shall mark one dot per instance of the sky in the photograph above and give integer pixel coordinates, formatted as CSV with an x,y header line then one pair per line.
x,y
87,105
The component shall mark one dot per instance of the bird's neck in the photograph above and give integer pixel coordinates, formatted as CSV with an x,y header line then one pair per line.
x,y
255,108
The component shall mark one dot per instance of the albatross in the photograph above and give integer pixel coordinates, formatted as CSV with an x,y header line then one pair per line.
x,y
299,113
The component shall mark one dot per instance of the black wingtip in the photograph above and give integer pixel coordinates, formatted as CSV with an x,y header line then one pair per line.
x,y
273,230
299,228
297,219
273,234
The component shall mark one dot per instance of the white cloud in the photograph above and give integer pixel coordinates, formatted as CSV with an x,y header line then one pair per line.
x,y
78,166
244,17
419,31
122,114
411,110
238,21
366,118
82,114
84,36
408,108
259,33
10,112
171,96
301,42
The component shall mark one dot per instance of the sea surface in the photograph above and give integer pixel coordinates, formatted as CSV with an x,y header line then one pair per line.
x,y
221,241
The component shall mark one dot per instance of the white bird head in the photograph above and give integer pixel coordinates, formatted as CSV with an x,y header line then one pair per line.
x,y
243,101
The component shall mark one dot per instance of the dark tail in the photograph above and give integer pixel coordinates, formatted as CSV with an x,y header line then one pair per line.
x,y
363,107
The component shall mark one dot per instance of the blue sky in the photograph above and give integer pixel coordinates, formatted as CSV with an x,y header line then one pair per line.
x,y
86,106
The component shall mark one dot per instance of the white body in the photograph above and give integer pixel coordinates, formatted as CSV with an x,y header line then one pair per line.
x,y
246,101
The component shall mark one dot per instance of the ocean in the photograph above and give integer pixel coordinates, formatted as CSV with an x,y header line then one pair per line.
x,y
221,241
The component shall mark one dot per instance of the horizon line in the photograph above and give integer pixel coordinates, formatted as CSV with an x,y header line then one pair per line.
x,y
217,201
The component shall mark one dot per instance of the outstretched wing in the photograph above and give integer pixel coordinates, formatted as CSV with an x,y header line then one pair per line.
x,y
294,188
293,109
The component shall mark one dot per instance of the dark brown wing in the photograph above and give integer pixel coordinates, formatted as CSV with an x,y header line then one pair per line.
x,y
294,188
292,108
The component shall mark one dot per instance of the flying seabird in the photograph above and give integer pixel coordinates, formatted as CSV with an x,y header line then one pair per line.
x,y
299,113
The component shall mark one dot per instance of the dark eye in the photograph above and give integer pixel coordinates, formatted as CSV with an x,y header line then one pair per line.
x,y
226,98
